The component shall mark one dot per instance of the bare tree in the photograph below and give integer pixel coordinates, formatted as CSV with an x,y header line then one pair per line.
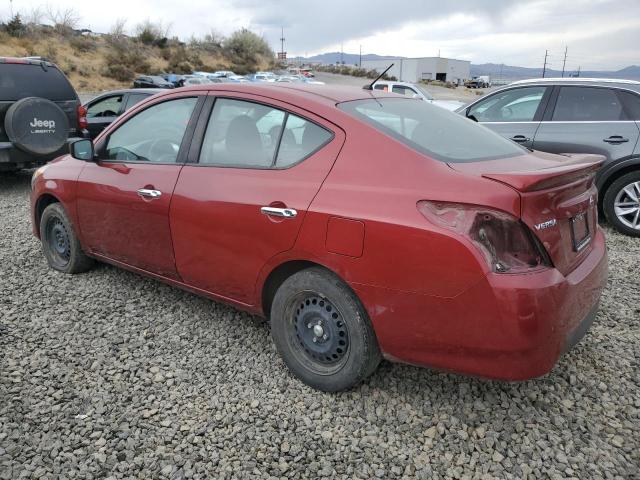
x,y
63,20
119,28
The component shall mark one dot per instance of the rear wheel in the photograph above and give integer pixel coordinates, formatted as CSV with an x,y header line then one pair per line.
x,y
322,331
621,204
59,242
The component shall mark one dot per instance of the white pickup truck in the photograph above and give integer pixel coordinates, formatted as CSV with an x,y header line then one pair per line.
x,y
415,91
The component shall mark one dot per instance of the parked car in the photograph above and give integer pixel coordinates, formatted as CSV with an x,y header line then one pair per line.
x,y
362,224
237,79
261,77
224,73
482,81
104,109
151,81
174,79
40,113
198,80
415,91
579,115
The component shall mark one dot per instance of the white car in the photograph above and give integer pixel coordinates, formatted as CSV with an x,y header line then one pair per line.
x,y
416,91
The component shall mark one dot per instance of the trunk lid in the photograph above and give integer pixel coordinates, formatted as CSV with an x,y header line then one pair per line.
x,y
558,199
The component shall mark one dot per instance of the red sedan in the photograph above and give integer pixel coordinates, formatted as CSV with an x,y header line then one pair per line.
x,y
362,224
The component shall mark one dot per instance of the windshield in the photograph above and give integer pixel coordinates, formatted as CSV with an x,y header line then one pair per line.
x,y
432,130
424,91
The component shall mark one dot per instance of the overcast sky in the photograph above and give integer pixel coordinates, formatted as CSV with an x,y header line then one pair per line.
x,y
599,34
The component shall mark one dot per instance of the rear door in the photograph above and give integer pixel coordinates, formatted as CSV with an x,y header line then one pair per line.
x,y
123,198
513,113
587,119
244,194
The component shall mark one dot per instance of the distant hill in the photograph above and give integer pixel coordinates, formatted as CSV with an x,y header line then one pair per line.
x,y
495,70
509,72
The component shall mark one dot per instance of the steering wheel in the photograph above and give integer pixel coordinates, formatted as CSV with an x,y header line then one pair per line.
x,y
507,112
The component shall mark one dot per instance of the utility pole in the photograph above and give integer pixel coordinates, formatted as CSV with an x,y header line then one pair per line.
x,y
578,74
282,55
564,62
342,54
11,8
360,61
544,68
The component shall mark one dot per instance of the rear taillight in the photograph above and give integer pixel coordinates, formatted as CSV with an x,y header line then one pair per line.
x,y
82,118
506,243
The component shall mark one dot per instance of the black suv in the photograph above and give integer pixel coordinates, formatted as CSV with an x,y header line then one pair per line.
x,y
40,113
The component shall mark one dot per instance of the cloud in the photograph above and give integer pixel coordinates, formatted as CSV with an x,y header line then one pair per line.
x,y
600,34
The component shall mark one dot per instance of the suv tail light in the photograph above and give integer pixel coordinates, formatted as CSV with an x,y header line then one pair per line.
x,y
82,118
506,243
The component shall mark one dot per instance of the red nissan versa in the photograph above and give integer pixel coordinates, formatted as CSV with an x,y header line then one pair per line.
x,y
362,224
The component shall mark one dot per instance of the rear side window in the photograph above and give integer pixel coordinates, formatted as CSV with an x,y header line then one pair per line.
x,y
252,135
402,90
581,104
22,80
432,130
631,103
133,99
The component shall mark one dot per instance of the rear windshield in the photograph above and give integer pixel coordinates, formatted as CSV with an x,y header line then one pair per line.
x,y
432,130
23,80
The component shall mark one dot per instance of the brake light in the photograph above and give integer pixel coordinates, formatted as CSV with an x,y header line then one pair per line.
x,y
82,118
506,243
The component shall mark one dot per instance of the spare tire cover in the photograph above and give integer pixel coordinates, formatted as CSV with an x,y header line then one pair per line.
x,y
36,125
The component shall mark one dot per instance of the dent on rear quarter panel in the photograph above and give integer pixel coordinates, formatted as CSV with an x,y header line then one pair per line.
x,y
378,181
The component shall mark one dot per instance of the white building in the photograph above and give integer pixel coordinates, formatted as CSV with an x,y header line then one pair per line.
x,y
426,68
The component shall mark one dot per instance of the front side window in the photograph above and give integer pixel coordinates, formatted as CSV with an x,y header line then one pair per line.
x,y
432,130
250,135
107,107
516,105
584,104
153,135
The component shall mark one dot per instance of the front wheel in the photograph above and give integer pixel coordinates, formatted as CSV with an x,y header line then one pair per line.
x,y
322,331
60,243
621,204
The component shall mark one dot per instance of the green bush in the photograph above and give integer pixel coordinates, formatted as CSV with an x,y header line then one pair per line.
x,y
246,51
83,44
15,27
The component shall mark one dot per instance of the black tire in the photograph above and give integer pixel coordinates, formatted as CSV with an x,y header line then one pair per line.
x,y
615,193
36,126
60,243
346,350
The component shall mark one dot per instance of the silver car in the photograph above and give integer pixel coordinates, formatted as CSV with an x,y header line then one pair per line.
x,y
577,115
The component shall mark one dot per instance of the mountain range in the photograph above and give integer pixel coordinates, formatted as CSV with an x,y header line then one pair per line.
x,y
495,70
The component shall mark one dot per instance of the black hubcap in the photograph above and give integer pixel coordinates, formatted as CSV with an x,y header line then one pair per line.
x,y
320,330
58,241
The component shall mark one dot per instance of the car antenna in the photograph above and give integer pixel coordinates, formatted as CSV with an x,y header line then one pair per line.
x,y
370,86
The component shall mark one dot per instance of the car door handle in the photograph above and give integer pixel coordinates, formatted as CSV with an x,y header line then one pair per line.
x,y
520,138
616,139
279,212
148,193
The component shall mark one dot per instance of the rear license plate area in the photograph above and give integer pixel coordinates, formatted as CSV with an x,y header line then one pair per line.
x,y
580,231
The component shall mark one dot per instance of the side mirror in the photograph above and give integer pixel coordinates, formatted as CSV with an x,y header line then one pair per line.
x,y
82,150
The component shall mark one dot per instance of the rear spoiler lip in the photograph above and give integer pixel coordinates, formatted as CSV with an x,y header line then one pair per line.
x,y
547,178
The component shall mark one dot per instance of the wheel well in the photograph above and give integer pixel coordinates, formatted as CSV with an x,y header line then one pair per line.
x,y
612,178
277,277
43,202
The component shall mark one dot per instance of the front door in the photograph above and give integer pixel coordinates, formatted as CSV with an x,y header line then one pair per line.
x,y
514,113
245,198
124,197
588,120
103,111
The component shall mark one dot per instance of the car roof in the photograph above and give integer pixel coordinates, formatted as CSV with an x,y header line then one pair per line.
x,y
293,92
631,84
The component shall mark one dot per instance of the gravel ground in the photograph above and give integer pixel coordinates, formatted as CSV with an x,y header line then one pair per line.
x,y
111,375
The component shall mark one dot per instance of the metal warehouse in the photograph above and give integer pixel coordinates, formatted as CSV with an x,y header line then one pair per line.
x,y
425,68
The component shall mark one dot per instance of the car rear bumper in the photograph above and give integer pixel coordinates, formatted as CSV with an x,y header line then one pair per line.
x,y
510,327
12,157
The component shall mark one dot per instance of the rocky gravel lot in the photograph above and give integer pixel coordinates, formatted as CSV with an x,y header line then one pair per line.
x,y
111,375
